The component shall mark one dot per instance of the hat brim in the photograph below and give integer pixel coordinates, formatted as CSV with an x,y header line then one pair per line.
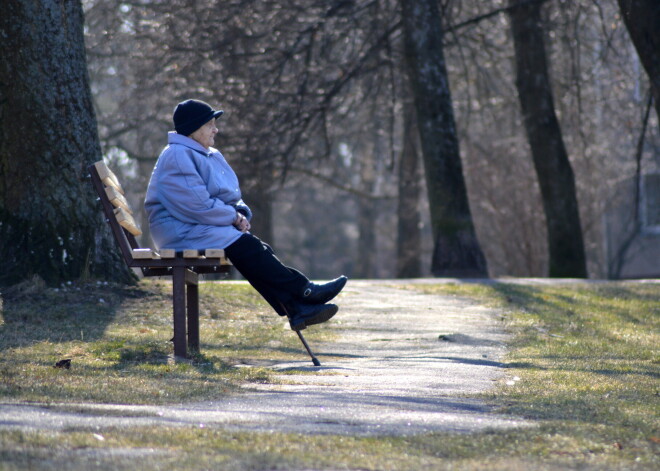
x,y
193,125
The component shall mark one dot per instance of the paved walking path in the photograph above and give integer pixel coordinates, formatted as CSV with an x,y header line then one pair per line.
x,y
404,363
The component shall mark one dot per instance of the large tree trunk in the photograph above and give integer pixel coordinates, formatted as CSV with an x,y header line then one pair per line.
x,y
553,169
50,225
456,248
642,18
409,234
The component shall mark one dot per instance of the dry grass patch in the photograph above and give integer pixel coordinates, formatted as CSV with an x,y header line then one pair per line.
x,y
118,341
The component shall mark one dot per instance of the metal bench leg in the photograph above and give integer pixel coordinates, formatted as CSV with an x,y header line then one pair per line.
x,y
302,339
192,292
179,308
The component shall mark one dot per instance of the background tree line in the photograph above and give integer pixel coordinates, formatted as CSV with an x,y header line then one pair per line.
x,y
384,138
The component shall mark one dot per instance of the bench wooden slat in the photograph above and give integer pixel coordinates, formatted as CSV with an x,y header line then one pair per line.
x,y
218,253
107,176
214,253
117,199
126,221
145,254
167,253
189,253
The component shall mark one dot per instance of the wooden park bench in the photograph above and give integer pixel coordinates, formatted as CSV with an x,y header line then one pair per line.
x,y
184,267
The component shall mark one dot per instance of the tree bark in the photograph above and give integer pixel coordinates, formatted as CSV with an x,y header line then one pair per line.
x,y
365,266
50,225
553,169
409,237
456,248
259,199
642,19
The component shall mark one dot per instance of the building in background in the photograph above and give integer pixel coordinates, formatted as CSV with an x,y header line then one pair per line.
x,y
632,229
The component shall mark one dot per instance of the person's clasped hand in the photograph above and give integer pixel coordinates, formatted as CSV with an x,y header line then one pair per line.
x,y
241,223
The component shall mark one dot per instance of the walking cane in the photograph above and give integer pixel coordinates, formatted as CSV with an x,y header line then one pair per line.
x,y
304,342
302,339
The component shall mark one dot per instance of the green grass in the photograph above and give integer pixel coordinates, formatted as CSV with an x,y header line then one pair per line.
x,y
588,362
587,359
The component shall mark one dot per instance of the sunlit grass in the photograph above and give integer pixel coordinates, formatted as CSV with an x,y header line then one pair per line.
x,y
584,358
118,340
588,362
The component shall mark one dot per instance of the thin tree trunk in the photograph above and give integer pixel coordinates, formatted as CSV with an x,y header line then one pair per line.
x,y
409,237
365,266
642,18
259,200
50,225
553,169
456,248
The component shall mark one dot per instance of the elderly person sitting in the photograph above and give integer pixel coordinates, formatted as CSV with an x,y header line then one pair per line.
x,y
194,202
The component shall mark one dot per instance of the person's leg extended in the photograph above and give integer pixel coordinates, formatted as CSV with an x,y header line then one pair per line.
x,y
281,286
257,261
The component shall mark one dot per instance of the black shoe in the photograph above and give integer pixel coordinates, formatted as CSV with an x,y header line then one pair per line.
x,y
321,294
311,314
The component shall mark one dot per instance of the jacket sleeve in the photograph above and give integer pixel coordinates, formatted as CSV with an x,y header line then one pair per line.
x,y
184,193
244,209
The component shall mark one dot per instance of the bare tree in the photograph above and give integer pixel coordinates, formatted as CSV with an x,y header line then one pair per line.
x,y
456,250
642,18
300,80
553,169
409,237
289,83
49,224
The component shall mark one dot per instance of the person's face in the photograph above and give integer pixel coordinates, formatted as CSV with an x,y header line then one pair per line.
x,y
206,134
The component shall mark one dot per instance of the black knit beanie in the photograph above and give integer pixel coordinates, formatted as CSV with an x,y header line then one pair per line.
x,y
190,115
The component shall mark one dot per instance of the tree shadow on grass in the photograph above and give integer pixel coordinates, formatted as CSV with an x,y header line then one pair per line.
x,y
572,308
33,313
590,319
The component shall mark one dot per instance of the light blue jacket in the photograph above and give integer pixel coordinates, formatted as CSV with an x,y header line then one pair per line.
x,y
192,197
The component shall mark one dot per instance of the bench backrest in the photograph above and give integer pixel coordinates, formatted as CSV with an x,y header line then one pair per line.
x,y
116,209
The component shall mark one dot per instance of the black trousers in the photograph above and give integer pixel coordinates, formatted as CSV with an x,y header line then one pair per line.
x,y
279,285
